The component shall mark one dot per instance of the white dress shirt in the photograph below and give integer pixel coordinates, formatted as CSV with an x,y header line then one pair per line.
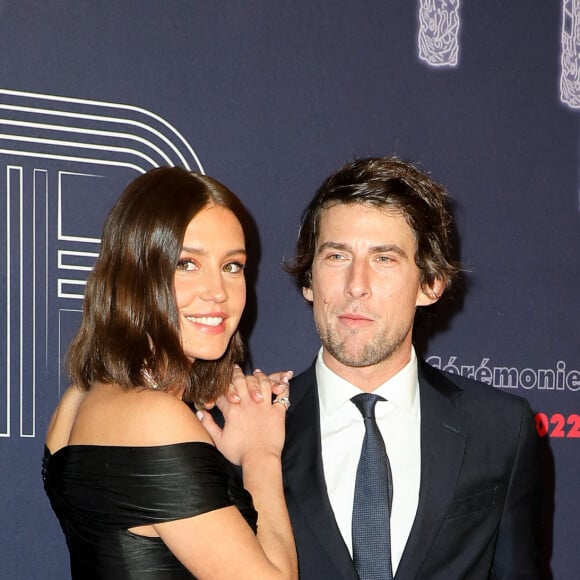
x,y
342,431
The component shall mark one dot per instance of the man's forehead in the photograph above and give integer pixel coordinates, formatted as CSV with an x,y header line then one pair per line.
x,y
356,206
341,215
342,223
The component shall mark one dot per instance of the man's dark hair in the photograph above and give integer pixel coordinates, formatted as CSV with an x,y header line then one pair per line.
x,y
396,187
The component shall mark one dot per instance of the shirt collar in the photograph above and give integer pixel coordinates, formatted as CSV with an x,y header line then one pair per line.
x,y
402,389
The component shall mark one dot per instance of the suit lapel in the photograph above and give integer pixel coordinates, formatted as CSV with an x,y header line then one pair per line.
x,y
444,432
304,475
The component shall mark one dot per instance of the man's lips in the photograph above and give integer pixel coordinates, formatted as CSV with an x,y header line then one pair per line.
x,y
352,319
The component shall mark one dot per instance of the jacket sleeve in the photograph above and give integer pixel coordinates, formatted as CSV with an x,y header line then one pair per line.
x,y
517,549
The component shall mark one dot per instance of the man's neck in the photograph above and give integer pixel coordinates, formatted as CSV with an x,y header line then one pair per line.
x,y
369,378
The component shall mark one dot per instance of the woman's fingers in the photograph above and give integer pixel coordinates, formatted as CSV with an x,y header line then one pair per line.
x,y
245,384
210,425
283,401
232,395
281,386
257,384
238,386
281,379
279,389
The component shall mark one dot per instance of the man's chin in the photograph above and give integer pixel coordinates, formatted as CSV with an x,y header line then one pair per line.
x,y
355,358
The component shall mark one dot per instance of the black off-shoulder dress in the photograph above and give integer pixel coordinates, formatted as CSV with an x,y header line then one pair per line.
x,y
99,492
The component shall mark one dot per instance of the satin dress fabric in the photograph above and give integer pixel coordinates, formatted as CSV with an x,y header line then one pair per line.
x,y
99,492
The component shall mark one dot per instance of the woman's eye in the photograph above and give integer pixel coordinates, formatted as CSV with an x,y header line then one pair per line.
x,y
186,265
234,267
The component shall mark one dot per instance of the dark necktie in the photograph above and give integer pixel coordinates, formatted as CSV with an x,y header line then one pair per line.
x,y
373,497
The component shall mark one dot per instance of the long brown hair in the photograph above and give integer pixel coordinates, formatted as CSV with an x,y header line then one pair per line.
x,y
130,319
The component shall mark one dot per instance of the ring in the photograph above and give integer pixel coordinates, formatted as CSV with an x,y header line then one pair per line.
x,y
283,401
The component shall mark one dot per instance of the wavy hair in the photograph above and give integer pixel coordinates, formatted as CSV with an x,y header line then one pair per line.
x,y
395,186
130,320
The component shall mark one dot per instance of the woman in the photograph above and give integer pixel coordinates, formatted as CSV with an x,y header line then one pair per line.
x,y
133,475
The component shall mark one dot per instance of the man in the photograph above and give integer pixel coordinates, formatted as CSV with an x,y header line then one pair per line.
x,y
460,469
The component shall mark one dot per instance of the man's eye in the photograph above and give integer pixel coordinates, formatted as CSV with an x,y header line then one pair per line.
x,y
234,267
186,265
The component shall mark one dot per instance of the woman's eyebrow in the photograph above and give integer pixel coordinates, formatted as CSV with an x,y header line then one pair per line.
x,y
202,252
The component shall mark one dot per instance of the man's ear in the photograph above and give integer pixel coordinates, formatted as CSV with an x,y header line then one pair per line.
x,y
430,293
307,293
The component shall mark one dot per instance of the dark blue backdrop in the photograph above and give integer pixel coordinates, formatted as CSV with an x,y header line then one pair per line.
x,y
270,97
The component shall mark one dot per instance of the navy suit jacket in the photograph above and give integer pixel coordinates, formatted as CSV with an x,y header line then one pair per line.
x,y
478,505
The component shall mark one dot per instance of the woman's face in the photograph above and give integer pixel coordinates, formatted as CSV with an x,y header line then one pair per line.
x,y
210,288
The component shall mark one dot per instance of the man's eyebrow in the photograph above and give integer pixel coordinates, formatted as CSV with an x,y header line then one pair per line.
x,y
386,248
379,249
333,246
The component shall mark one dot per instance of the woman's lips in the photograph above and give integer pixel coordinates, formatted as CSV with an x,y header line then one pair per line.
x,y
213,323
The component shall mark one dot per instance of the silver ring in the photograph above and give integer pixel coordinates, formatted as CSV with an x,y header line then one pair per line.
x,y
283,401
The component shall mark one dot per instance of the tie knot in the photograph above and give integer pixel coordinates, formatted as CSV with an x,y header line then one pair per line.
x,y
365,403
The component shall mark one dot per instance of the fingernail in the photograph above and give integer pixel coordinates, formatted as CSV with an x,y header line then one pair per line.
x,y
235,397
199,415
259,395
257,370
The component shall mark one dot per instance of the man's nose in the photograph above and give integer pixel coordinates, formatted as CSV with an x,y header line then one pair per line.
x,y
358,281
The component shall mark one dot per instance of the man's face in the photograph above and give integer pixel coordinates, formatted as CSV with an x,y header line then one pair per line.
x,y
365,287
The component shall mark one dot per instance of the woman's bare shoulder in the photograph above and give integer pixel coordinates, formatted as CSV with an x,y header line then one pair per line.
x,y
111,415
64,417
167,419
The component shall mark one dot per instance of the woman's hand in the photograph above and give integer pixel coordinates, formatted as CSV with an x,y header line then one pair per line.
x,y
279,384
253,424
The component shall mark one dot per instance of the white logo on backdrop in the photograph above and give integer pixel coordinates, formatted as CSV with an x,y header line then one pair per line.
x,y
60,156
438,39
570,57
558,378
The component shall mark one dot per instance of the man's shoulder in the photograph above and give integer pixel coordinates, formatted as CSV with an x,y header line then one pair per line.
x,y
469,389
303,384
305,376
